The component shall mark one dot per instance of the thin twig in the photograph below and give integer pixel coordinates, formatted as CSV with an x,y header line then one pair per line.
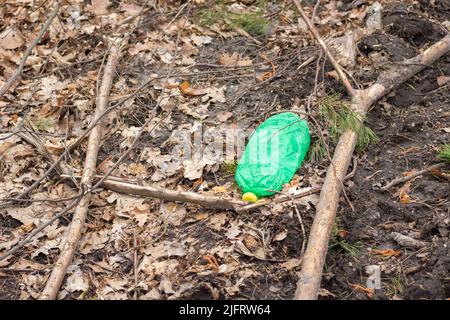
x,y
324,47
62,68
30,48
135,266
36,231
412,176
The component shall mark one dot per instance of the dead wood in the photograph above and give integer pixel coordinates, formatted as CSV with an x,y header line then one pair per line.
x,y
30,48
412,176
76,226
313,260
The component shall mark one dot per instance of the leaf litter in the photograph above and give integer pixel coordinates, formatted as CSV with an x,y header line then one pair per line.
x,y
211,77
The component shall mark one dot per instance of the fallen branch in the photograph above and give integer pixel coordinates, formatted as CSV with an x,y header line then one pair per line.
x,y
406,241
128,187
171,195
412,176
76,226
30,48
313,260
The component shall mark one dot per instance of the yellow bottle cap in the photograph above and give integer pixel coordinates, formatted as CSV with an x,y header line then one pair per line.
x,y
249,197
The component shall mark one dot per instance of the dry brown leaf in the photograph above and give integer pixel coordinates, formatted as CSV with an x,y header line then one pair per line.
x,y
291,263
219,189
386,252
11,38
211,262
440,174
234,59
441,80
217,221
280,236
77,281
99,7
368,291
130,9
173,213
224,115
186,89
402,193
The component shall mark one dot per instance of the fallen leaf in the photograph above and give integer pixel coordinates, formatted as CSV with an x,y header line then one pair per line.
x,y
325,293
219,189
402,193
217,221
441,80
140,214
166,286
291,263
193,170
280,236
224,116
173,213
11,38
369,292
200,40
217,94
234,59
98,7
211,262
77,281
166,250
386,252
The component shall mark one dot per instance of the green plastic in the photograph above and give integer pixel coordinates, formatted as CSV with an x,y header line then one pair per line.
x,y
273,154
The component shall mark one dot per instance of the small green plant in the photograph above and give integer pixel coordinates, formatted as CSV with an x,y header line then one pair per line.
x,y
229,167
254,22
43,124
210,16
341,118
351,249
444,153
395,287
317,151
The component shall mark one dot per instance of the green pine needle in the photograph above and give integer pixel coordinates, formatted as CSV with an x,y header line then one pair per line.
x,y
341,118
317,151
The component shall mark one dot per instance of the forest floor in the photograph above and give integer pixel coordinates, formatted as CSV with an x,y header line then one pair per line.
x,y
222,68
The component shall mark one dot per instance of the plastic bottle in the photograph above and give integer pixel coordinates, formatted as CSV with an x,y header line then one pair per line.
x,y
272,156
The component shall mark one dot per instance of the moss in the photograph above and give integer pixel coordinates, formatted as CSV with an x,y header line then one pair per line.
x,y
444,153
254,23
229,167
43,124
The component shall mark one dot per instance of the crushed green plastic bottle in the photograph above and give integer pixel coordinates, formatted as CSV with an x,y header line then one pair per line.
x,y
273,154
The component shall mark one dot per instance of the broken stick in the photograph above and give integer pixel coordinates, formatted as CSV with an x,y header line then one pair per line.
x,y
314,258
208,201
412,176
76,226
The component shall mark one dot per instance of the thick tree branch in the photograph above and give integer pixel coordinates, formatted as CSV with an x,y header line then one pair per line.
x,y
76,226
